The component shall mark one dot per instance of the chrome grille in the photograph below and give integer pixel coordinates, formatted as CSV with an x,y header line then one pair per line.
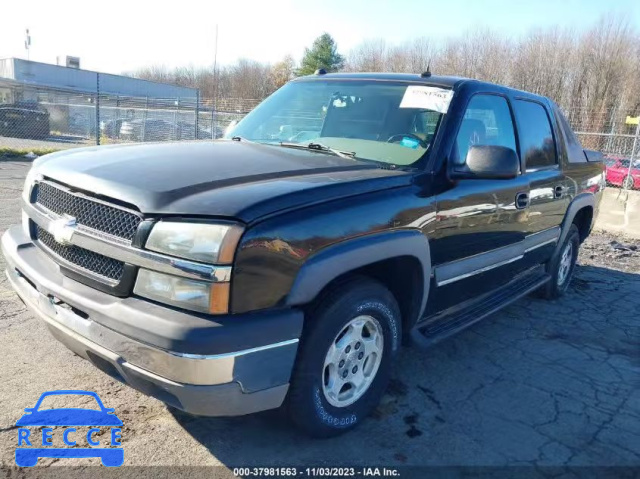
x,y
90,213
82,258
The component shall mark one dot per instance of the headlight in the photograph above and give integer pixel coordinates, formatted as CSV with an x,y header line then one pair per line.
x,y
185,293
207,243
31,178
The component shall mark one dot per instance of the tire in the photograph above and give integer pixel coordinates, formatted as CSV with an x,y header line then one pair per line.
x,y
562,270
627,183
312,404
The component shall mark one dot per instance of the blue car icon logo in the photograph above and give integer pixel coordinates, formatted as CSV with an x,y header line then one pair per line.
x,y
69,418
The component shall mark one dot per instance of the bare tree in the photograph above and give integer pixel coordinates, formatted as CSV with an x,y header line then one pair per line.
x,y
370,56
283,71
592,74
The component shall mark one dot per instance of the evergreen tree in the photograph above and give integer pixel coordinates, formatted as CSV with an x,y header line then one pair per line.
x,y
322,54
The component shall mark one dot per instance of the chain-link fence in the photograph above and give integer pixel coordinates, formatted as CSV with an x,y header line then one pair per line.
x,y
37,118
43,118
607,130
617,135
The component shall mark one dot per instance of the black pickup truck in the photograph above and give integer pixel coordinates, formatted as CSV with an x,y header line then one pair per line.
x,y
285,265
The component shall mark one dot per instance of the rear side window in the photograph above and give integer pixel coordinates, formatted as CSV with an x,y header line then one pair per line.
x,y
574,148
536,138
487,121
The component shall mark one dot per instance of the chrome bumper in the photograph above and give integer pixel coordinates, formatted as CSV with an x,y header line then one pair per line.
x,y
222,384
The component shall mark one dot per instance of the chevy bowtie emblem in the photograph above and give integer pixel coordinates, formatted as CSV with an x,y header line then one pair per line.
x,y
62,229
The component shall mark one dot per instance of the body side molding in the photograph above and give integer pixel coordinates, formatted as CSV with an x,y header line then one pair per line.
x,y
480,263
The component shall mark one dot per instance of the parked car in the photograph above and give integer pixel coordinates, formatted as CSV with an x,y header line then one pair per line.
x,y
146,130
111,128
286,264
24,120
81,124
186,131
618,173
160,130
219,131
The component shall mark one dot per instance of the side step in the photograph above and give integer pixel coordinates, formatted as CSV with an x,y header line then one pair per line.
x,y
442,325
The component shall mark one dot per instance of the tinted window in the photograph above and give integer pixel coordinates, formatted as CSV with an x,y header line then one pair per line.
x,y
487,121
574,147
536,139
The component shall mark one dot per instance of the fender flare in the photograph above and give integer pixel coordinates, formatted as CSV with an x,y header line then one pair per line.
x,y
338,259
581,201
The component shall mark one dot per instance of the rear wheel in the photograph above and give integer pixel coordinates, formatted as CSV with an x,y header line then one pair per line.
x,y
562,266
345,358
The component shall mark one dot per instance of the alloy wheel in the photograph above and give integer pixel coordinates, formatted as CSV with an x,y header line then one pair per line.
x,y
566,261
352,361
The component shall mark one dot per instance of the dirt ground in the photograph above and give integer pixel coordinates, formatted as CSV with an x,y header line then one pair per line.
x,y
611,250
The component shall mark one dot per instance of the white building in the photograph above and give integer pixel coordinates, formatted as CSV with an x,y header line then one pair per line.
x,y
21,79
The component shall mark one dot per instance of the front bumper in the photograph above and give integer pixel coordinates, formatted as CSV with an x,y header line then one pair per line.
x,y
155,349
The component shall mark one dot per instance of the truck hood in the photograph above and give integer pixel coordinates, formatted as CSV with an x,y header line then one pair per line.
x,y
218,178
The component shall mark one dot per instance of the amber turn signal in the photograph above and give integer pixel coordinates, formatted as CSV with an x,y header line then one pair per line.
x,y
219,298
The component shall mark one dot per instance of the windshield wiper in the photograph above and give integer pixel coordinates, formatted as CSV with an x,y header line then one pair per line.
x,y
320,147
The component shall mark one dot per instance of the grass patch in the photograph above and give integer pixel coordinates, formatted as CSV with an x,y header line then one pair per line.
x,y
14,152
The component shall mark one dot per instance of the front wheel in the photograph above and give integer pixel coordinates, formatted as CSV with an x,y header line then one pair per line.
x,y
345,358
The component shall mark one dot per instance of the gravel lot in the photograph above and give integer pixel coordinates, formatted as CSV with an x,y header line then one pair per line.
x,y
541,383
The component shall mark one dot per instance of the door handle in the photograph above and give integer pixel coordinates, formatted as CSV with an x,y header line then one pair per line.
x,y
522,200
558,191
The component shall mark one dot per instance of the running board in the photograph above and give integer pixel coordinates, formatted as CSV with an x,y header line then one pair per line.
x,y
440,326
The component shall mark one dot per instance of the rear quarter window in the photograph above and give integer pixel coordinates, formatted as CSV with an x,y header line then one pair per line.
x,y
575,151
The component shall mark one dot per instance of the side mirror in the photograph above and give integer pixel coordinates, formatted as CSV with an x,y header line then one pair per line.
x,y
490,162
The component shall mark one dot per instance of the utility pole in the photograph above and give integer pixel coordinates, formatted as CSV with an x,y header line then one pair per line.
x,y
633,154
98,109
27,42
214,115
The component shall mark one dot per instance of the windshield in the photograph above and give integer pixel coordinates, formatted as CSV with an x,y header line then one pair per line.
x,y
625,163
363,118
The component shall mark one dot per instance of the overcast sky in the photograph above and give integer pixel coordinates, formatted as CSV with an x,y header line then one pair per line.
x,y
116,35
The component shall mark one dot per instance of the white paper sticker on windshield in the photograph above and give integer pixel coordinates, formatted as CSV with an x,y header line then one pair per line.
x,y
429,97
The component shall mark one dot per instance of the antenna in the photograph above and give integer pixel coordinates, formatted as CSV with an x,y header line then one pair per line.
x,y
427,73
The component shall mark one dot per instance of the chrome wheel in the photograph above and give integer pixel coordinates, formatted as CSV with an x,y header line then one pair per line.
x,y
565,263
352,361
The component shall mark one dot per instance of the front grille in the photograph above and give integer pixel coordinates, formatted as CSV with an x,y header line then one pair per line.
x,y
85,259
93,214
